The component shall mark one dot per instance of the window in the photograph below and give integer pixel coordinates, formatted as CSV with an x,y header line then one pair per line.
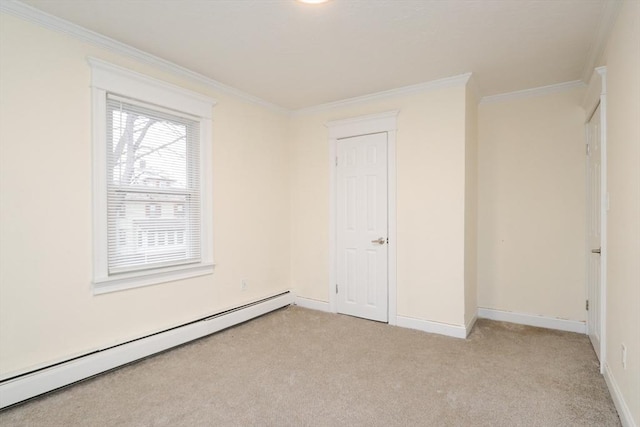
x,y
153,210
152,180
152,164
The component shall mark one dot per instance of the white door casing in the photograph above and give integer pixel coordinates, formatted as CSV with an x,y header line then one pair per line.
x,y
361,217
593,229
345,128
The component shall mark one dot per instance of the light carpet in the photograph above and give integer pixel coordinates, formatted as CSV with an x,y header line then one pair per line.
x,y
299,367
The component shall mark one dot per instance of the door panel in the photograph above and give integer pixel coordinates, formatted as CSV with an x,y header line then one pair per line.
x,y
361,215
594,205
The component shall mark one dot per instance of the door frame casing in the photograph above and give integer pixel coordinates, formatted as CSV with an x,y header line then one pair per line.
x,y
357,126
597,96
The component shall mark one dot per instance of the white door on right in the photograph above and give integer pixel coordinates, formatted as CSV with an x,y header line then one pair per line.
x,y
594,206
361,219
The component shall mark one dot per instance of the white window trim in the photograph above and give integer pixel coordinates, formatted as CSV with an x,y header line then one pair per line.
x,y
109,78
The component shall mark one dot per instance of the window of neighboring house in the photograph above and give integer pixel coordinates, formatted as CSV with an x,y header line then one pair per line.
x,y
152,154
153,210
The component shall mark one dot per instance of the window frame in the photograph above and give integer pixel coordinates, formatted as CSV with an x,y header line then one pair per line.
x,y
109,78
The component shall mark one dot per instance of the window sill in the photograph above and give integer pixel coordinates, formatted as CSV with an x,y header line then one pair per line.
x,y
147,278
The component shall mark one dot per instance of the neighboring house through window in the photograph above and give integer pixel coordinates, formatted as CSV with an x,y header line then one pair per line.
x,y
152,180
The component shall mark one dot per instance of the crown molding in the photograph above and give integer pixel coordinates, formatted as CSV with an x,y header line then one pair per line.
x,y
36,16
536,91
607,20
453,81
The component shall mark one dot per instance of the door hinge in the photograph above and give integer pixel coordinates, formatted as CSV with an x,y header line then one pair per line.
x,y
587,305
336,160
336,288
588,150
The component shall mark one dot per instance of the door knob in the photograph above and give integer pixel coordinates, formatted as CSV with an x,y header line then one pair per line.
x,y
380,241
595,251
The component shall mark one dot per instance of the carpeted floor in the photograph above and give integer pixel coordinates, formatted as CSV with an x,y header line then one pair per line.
x,y
298,367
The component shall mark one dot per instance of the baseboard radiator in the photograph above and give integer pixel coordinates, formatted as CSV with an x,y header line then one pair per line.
x,y
31,384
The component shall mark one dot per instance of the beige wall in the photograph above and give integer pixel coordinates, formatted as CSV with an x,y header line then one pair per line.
x,y
471,208
531,205
430,202
47,310
623,221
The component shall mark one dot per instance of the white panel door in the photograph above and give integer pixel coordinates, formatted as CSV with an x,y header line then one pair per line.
x,y
594,205
362,280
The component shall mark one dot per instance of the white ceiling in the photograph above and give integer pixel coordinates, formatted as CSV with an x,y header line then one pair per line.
x,y
295,55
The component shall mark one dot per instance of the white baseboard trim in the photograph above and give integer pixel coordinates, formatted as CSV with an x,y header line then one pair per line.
x,y
623,410
33,384
533,320
469,325
455,331
312,304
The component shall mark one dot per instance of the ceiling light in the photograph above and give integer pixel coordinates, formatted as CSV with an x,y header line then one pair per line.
x,y
313,1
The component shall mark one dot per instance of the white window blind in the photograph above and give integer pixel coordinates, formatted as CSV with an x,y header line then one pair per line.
x,y
153,188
